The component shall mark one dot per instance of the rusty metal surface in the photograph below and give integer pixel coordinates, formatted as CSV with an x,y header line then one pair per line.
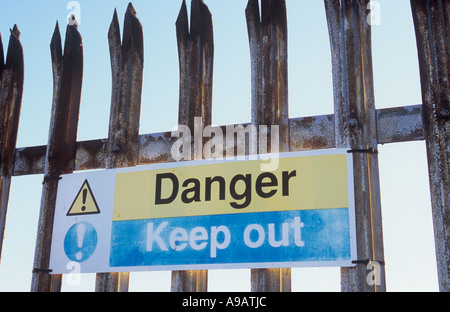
x,y
311,133
62,146
30,160
2,59
91,155
267,31
156,148
11,90
196,58
12,76
5,186
127,66
356,128
122,147
398,124
432,25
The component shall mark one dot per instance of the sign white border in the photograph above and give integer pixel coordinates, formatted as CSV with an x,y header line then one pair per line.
x,y
103,184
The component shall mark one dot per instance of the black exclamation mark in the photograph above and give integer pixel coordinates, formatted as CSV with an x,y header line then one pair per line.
x,y
84,200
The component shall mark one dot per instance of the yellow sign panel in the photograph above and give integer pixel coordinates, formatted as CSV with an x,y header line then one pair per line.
x,y
84,202
231,187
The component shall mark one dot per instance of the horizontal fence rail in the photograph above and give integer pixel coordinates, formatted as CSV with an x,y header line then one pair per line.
x,y
400,124
356,124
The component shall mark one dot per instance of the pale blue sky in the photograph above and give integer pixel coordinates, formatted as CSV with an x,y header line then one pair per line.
x,y
408,234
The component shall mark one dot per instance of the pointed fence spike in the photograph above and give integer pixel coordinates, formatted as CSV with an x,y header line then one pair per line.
x,y
122,147
62,143
56,46
131,9
196,53
269,97
132,32
15,32
195,26
182,26
2,58
253,18
11,91
206,23
115,46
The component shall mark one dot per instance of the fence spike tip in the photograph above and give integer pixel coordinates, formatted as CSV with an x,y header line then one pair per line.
x,y
252,6
182,19
56,35
131,9
56,30
2,57
73,21
115,15
15,31
183,9
114,39
56,45
115,22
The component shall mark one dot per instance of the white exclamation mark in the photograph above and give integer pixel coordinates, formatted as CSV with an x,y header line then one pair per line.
x,y
81,230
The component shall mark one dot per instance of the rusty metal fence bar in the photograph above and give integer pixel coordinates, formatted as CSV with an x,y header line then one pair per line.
x,y
355,124
267,30
122,148
432,24
196,59
399,124
356,128
61,148
11,89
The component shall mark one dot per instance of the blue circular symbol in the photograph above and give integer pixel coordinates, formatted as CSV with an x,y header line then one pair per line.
x,y
80,242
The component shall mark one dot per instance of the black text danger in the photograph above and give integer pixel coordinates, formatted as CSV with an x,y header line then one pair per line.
x,y
239,188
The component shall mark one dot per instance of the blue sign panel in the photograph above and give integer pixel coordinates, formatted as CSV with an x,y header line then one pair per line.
x,y
233,240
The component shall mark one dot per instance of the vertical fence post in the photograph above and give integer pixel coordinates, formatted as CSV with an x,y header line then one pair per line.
x,y
432,25
61,148
355,128
269,61
127,65
11,89
196,56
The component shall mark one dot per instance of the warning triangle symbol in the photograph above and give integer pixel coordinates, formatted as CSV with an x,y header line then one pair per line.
x,y
84,203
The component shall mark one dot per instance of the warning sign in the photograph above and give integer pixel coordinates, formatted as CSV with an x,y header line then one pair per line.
x,y
209,214
84,203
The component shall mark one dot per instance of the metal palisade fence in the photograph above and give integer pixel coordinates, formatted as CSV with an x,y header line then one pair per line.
x,y
356,123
